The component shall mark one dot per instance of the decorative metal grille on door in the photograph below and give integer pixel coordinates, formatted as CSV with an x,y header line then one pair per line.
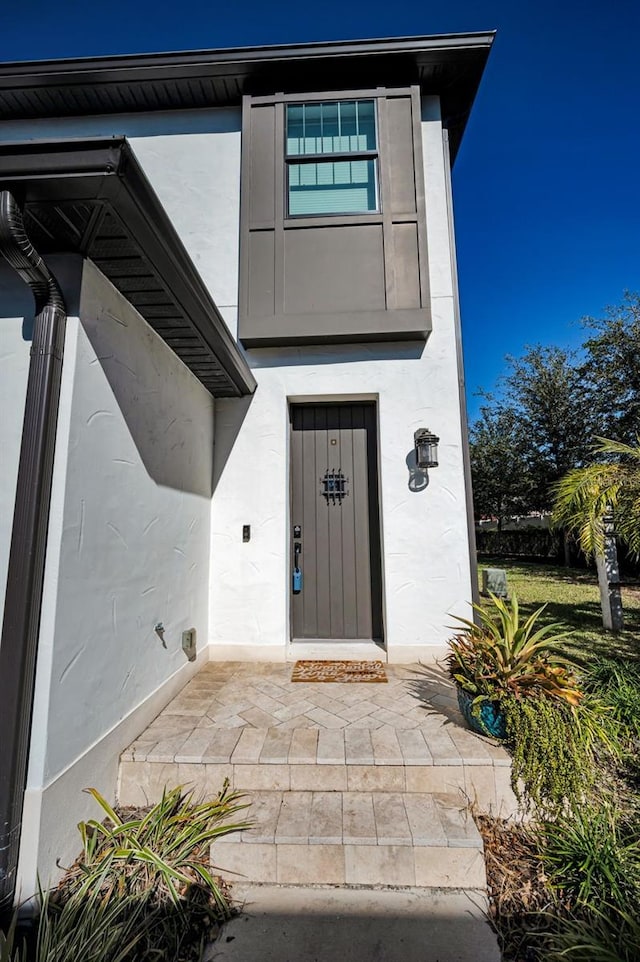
x,y
334,486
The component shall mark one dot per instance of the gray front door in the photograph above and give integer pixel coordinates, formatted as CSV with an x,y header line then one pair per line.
x,y
335,535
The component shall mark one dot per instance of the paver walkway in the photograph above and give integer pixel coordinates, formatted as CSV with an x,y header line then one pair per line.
x,y
235,718
360,786
350,784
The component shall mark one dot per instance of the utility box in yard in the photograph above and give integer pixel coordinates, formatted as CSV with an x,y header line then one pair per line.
x,y
494,581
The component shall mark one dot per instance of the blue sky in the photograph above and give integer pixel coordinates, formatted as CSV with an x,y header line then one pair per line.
x,y
547,183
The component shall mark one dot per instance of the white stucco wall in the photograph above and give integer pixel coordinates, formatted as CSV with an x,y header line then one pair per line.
x,y
426,570
128,548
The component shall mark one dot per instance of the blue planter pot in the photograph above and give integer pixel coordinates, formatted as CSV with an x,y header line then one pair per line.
x,y
488,720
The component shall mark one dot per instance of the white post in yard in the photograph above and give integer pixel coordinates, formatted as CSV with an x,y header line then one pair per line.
x,y
609,578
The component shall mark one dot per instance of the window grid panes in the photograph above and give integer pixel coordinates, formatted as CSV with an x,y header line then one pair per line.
x,y
336,185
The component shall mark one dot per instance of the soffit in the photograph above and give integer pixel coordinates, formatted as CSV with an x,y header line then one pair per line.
x,y
91,197
450,66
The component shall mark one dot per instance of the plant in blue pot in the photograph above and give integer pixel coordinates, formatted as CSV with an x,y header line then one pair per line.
x,y
517,681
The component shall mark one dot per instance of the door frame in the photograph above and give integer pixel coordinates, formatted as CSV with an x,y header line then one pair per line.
x,y
333,646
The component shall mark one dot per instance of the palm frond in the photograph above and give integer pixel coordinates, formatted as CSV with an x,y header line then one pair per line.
x,y
585,496
607,446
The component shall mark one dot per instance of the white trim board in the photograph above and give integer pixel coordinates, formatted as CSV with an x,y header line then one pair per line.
x,y
50,839
327,650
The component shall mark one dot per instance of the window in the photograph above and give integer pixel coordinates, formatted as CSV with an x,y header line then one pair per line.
x,y
332,158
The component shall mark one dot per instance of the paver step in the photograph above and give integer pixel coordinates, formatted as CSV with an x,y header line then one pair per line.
x,y
351,784
355,838
249,723
186,740
360,818
488,785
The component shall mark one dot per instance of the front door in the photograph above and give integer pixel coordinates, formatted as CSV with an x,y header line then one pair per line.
x,y
335,534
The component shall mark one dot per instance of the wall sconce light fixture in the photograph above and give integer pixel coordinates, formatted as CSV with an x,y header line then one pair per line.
x,y
426,445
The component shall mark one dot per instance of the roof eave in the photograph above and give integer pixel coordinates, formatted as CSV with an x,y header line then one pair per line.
x,y
245,56
448,65
104,174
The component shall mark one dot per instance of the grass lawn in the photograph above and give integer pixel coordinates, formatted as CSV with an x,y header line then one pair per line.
x,y
572,597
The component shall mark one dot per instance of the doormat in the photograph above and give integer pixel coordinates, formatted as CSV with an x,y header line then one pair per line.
x,y
339,671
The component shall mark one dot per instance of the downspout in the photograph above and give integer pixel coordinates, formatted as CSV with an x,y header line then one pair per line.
x,y
25,577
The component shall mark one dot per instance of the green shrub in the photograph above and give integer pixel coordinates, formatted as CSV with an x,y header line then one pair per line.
x,y
142,889
161,859
164,850
601,935
592,854
553,731
505,655
98,926
529,542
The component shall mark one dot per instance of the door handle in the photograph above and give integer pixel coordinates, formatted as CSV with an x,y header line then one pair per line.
x,y
297,573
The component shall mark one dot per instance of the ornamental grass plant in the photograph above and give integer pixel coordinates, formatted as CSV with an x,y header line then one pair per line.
x,y
535,920
164,851
616,680
141,889
602,934
592,855
107,926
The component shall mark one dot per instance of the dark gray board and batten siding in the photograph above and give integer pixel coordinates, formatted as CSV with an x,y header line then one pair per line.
x,y
341,597
356,277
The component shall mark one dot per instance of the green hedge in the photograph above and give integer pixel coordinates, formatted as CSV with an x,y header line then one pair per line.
x,y
523,543
541,544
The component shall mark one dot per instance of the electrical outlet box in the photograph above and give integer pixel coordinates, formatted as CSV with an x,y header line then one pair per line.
x,y
189,643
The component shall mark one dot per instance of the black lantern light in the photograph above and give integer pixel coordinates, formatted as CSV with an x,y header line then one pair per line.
x,y
426,445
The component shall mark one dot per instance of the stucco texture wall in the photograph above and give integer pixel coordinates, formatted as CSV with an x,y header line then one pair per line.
x,y
193,162
133,548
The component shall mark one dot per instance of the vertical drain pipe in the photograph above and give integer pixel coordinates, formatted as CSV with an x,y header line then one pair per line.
x,y
25,578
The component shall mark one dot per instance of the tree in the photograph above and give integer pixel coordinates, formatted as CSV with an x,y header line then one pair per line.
x,y
596,500
546,388
611,369
558,402
501,484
